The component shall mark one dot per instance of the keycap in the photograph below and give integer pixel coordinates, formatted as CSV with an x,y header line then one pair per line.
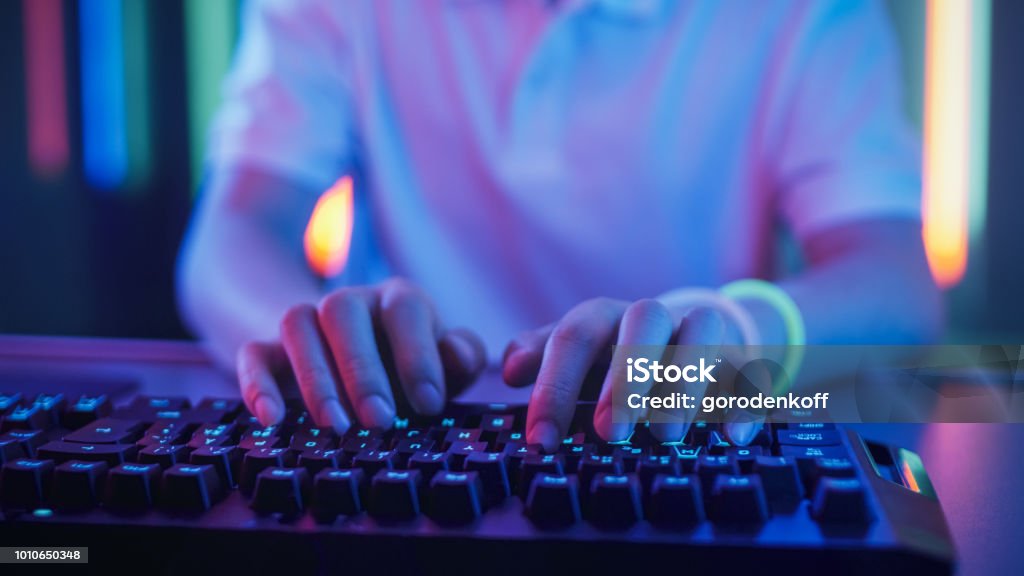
x,y
552,501
29,440
107,431
460,450
509,437
281,490
406,447
744,457
686,455
461,435
710,467
132,488
260,437
25,417
717,444
515,453
77,485
230,408
316,460
805,457
455,497
593,464
534,464
226,460
780,480
25,483
614,501
11,449
738,500
490,467
160,403
254,462
166,432
394,495
841,501
164,455
832,468
803,437
212,434
8,401
353,446
429,463
190,489
336,492
651,466
676,502
492,425
574,453
85,410
372,461
112,454
629,456
53,405
313,438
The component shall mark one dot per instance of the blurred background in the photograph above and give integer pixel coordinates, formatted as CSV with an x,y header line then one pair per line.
x,y
103,125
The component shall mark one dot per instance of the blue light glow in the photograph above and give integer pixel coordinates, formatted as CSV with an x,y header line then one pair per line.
x,y
104,131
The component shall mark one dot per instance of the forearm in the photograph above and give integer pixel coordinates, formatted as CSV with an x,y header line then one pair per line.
x,y
242,263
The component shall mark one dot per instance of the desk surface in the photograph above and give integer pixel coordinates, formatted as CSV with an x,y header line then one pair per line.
x,y
976,468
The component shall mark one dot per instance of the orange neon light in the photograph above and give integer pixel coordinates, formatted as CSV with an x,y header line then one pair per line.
x,y
947,138
908,476
329,232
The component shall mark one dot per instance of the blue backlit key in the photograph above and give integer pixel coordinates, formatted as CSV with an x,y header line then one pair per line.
x,y
164,455
226,460
112,454
336,492
739,500
86,409
25,483
132,488
254,462
316,460
614,501
190,488
455,497
841,501
534,464
25,417
676,502
394,495
106,431
552,501
77,485
490,466
282,491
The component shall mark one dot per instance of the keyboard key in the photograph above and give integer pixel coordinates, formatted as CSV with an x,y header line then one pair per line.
x,y
686,455
630,456
676,502
212,434
461,435
312,438
372,461
841,501
77,485
112,454
25,417
336,492
406,447
132,488
710,467
166,432
515,454
256,461
429,463
261,437
164,455
614,501
574,453
85,410
229,408
226,460
10,450
492,425
739,500
651,466
394,495
509,437
552,501
744,457
460,450
190,489
592,465
29,440
455,497
316,460
832,468
801,437
53,405
25,483
107,431
490,466
534,464
160,403
8,401
805,457
353,446
281,490
780,480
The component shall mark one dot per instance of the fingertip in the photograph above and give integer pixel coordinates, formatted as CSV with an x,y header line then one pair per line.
x,y
742,433
519,368
429,400
268,410
334,415
545,433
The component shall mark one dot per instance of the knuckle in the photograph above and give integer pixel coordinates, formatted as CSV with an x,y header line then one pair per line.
x,y
296,317
312,376
339,304
572,333
359,371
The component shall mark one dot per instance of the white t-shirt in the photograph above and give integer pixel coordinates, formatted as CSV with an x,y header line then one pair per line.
x,y
517,157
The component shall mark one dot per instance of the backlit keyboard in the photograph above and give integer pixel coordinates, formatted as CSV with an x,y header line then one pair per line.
x,y
464,487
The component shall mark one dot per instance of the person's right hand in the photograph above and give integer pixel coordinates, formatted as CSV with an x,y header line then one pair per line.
x,y
342,350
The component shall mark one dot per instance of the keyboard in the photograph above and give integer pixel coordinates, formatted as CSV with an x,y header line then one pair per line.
x,y
203,485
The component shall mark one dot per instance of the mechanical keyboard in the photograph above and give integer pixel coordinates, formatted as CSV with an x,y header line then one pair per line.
x,y
206,485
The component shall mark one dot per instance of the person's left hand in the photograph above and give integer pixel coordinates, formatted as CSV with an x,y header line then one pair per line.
x,y
559,356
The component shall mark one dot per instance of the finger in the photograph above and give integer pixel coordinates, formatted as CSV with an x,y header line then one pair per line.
x,y
644,323
255,365
574,344
346,317
699,326
463,357
523,356
318,381
742,426
411,330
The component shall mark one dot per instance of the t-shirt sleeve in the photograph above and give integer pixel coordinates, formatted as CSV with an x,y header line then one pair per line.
x,y
287,101
847,150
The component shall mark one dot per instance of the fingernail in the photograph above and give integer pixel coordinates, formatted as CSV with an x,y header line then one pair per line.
x,y
619,431
741,433
545,433
335,415
430,398
376,413
267,410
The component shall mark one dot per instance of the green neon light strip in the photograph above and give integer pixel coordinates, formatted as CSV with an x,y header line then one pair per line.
x,y
981,40
211,28
137,92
